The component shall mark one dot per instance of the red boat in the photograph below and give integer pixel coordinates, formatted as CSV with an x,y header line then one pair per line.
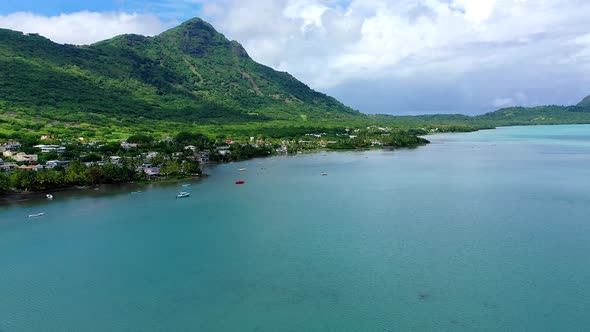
x,y
240,182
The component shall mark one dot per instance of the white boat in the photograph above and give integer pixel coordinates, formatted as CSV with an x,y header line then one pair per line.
x,y
36,215
49,196
242,169
323,173
183,194
186,184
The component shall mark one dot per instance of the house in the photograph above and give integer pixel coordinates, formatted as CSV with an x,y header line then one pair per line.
x,y
31,167
223,150
13,147
228,141
23,157
49,148
204,156
98,163
149,169
316,135
55,163
46,137
115,160
191,147
151,155
7,154
6,167
126,145
152,171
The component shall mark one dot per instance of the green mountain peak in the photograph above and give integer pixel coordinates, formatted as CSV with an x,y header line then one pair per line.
x,y
585,102
190,73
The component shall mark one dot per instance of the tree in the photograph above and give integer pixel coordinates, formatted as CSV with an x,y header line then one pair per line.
x,y
23,179
186,138
77,174
140,139
4,183
191,167
170,167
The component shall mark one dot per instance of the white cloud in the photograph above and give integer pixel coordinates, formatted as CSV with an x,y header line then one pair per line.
x,y
502,102
518,99
83,27
328,43
485,49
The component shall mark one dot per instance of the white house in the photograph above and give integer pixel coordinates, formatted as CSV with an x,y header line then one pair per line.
x,y
126,145
49,148
23,157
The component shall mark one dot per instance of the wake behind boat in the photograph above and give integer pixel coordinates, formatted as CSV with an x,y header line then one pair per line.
x,y
183,194
36,215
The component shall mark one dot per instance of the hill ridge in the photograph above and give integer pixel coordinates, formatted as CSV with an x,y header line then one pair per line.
x,y
187,73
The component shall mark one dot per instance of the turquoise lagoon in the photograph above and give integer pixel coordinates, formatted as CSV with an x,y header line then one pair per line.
x,y
485,231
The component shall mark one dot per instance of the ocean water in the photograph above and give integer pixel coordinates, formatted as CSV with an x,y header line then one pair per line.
x,y
485,231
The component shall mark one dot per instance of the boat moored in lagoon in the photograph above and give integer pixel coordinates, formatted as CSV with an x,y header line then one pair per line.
x,y
240,182
183,194
36,215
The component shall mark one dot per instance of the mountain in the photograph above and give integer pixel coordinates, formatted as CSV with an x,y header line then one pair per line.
x,y
510,116
584,103
189,74
551,114
189,78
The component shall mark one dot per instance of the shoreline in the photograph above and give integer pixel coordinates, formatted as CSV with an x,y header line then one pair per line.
x,y
24,197
16,197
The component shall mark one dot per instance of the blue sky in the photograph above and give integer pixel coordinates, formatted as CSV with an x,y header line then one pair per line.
x,y
56,7
378,56
172,10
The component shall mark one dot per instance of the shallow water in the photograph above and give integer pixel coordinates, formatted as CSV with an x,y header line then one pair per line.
x,y
478,231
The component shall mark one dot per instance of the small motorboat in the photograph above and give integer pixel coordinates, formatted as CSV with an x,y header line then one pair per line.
x,y
242,169
323,173
183,194
240,182
36,215
186,184
49,196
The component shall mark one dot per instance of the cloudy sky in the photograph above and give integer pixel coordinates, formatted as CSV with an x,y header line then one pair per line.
x,y
378,56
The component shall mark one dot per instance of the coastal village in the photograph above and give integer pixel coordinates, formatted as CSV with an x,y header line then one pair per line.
x,y
48,162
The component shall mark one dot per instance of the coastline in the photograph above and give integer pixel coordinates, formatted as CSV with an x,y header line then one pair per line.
x,y
31,197
23,197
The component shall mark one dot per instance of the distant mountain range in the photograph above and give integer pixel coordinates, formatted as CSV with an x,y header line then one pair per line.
x,y
188,76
